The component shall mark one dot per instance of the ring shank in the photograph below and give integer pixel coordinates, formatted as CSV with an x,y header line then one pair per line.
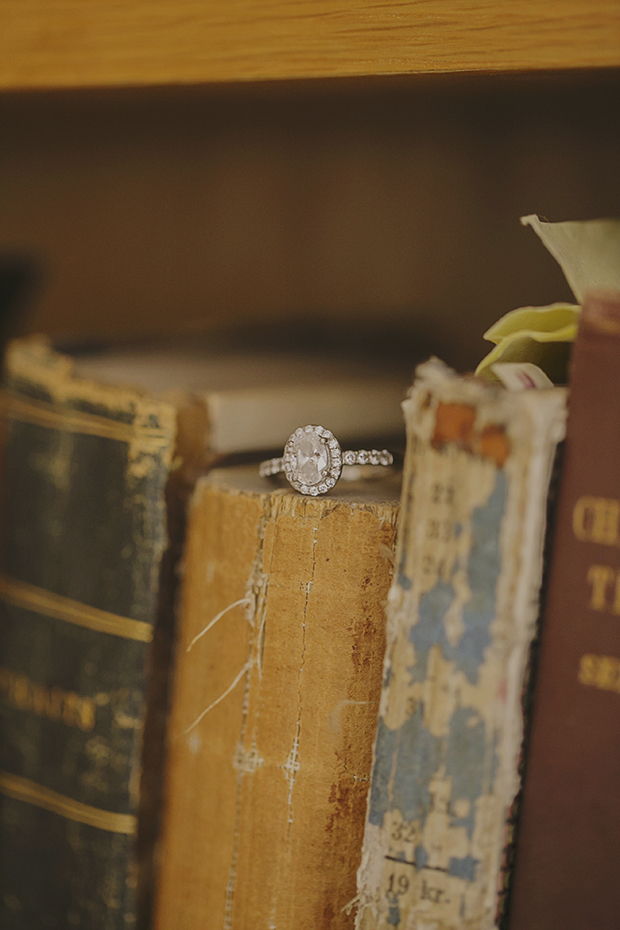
x,y
367,457
271,467
351,457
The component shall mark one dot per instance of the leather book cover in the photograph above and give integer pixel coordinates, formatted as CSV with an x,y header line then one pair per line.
x,y
568,843
275,701
83,534
462,614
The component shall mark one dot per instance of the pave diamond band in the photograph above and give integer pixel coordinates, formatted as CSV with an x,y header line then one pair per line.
x,y
313,460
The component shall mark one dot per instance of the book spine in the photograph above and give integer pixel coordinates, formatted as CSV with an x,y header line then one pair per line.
x,y
568,844
462,613
277,684
83,531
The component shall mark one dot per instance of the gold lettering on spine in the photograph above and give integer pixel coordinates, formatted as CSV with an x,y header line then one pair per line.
x,y
616,607
54,703
606,519
600,577
604,580
597,520
585,675
601,672
86,718
582,517
20,693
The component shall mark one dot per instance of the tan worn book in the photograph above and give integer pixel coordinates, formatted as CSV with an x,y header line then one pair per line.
x,y
275,701
101,451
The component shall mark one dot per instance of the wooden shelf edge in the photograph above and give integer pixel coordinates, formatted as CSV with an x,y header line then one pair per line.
x,y
109,43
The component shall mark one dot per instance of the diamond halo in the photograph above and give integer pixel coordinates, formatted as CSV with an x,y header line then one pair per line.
x,y
312,460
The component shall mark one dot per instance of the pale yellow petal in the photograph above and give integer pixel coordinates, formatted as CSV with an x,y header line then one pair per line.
x,y
551,319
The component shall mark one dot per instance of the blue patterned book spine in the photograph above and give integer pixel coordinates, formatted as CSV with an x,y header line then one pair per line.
x,y
462,614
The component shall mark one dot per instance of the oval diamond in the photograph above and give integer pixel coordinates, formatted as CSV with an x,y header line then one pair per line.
x,y
314,464
311,458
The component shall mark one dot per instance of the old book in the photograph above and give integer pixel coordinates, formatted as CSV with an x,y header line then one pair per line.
x,y
462,613
95,475
277,684
569,837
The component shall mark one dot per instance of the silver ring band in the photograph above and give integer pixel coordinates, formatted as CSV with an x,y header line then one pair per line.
x,y
313,460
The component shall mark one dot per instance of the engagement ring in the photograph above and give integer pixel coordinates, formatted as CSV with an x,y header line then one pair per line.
x,y
313,460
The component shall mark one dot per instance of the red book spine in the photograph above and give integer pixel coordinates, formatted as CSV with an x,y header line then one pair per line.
x,y
568,848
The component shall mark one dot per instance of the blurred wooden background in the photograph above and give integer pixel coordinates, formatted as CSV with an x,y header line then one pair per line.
x,y
379,208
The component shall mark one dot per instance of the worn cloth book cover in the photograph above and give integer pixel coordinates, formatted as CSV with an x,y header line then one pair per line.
x,y
95,477
83,535
462,613
275,701
568,850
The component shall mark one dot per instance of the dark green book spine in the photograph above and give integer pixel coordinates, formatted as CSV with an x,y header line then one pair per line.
x,y
83,532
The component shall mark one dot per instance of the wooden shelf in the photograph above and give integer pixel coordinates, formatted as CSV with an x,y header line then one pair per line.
x,y
211,179
107,43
